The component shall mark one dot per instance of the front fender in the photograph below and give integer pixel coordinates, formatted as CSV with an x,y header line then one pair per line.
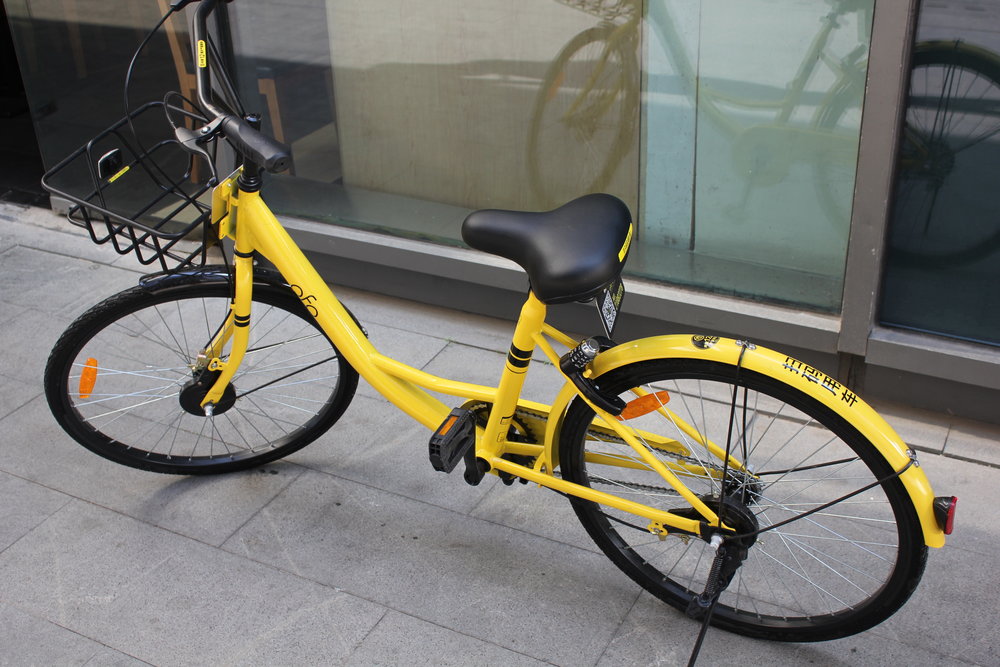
x,y
788,370
208,274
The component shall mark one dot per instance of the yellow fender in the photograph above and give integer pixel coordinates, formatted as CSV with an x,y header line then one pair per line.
x,y
811,381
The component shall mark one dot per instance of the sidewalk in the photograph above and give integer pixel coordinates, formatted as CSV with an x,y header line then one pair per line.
x,y
339,555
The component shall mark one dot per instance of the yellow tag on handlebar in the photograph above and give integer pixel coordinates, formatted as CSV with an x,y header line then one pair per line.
x,y
202,54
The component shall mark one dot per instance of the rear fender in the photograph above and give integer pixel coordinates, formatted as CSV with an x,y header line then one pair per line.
x,y
788,370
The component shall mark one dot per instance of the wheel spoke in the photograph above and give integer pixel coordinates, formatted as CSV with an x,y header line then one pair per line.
x,y
144,406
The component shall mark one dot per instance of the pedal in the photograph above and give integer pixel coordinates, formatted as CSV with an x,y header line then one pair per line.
x,y
452,439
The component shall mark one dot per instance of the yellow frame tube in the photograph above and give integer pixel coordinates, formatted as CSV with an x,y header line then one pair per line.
x,y
627,434
660,517
256,228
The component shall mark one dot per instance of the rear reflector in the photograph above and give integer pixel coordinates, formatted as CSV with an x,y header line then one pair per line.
x,y
944,511
643,405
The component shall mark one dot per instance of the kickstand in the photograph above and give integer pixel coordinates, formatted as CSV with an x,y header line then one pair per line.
x,y
728,557
701,633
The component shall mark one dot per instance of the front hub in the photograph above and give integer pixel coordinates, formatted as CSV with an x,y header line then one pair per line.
x,y
194,391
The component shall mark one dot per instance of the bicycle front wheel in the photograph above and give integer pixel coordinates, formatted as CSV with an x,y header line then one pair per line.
x,y
121,380
827,575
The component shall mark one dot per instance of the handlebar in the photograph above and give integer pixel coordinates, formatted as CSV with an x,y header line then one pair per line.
x,y
253,145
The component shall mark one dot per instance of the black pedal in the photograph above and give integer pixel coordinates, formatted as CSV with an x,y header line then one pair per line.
x,y
452,439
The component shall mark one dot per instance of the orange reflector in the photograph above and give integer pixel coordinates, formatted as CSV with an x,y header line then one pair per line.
x,y
446,426
88,377
643,405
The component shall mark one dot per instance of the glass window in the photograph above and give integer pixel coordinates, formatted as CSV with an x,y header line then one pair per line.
x,y
729,127
944,239
73,56
417,113
752,117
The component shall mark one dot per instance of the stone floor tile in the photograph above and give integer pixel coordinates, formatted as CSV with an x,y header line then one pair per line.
x,y
405,346
918,428
17,386
25,505
656,634
955,580
209,508
70,285
378,446
31,640
535,596
166,599
974,441
400,639
466,328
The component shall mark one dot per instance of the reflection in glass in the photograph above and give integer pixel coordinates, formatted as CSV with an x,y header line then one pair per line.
x,y
944,235
426,109
585,114
73,57
952,118
753,119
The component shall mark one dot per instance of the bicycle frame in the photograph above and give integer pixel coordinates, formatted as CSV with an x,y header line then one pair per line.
x,y
244,217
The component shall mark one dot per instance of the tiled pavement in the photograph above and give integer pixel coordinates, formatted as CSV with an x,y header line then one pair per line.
x,y
353,551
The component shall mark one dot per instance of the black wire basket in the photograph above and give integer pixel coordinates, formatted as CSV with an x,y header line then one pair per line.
x,y
134,186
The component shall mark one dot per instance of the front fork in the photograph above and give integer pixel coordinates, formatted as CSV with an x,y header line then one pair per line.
x,y
236,330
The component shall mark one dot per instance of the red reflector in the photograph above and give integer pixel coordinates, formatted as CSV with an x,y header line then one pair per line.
x,y
944,511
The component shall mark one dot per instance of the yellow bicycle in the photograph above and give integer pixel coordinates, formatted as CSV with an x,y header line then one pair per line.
x,y
735,483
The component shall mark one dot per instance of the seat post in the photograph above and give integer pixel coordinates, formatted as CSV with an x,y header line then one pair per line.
x,y
529,324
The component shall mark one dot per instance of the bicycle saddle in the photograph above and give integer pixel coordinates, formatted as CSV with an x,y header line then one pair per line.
x,y
570,253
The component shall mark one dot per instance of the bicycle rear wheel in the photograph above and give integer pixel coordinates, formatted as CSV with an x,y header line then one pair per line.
x,y
120,380
831,574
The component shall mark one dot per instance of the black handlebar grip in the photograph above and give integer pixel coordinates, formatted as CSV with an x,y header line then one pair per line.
x,y
270,153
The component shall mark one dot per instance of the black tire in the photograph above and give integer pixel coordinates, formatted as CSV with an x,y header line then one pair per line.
x,y
575,143
832,574
292,386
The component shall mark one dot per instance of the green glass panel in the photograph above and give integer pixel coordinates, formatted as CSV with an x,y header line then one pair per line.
x,y
752,120
418,113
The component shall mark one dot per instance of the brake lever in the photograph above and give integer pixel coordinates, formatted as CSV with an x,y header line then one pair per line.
x,y
192,141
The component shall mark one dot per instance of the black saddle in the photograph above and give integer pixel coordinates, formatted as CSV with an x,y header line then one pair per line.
x,y
570,253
